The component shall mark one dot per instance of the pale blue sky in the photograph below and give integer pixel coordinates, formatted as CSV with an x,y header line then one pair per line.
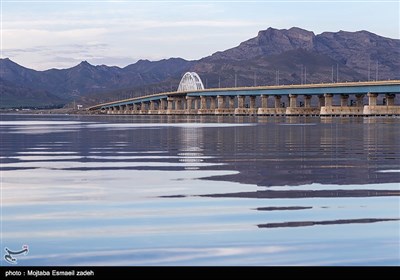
x,y
60,34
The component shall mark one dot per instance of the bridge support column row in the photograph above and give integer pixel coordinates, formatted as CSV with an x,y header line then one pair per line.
x,y
225,105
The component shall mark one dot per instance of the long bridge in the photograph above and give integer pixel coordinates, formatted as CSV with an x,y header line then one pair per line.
x,y
333,99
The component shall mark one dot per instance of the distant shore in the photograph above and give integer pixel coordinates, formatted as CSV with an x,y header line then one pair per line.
x,y
61,111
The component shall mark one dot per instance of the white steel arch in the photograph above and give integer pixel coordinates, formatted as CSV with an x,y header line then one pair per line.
x,y
190,81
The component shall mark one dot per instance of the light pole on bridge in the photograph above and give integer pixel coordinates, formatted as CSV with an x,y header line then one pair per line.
x,y
277,77
235,79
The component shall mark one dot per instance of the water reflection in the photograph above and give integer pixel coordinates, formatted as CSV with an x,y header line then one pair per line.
x,y
173,190
191,150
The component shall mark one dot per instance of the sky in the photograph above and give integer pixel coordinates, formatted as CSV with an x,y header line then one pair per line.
x,y
60,34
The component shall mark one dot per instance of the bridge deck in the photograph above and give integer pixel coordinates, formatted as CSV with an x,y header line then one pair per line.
x,y
306,89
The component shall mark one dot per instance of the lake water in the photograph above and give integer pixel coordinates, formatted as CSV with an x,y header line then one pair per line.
x,y
175,190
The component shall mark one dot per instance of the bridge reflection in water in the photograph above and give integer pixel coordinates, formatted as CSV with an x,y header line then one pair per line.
x,y
336,99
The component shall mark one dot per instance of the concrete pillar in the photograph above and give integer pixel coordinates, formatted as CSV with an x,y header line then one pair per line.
x,y
170,103
152,105
196,103
231,102
162,104
221,101
189,101
359,100
390,99
203,102
183,103
178,104
321,101
264,101
293,100
212,103
135,107
372,99
307,101
328,99
240,101
344,100
252,102
278,103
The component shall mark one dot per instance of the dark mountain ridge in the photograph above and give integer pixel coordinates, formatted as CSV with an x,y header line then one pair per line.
x,y
286,56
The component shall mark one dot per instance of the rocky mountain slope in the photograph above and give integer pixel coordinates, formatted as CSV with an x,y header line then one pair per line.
x,y
274,56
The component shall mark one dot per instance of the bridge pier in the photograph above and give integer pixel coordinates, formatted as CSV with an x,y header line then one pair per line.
x,y
176,105
280,110
327,108
264,109
203,103
344,100
388,108
170,105
152,107
196,103
278,103
190,102
328,99
222,110
292,108
359,100
162,106
264,101
390,99
307,101
135,108
240,110
203,107
252,110
321,101
144,108
372,99
344,109
232,103
304,109
212,102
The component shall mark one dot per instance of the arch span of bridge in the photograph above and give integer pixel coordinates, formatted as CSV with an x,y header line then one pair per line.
x,y
190,81
334,99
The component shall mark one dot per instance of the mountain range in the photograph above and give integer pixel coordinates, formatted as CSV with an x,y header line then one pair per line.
x,y
287,56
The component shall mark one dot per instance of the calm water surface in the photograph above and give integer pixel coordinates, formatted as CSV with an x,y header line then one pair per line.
x,y
132,190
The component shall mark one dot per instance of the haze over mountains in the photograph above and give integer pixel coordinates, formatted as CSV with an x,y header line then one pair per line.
x,y
299,56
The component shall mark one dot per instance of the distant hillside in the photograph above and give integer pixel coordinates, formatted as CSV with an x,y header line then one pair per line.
x,y
274,56
86,78
299,54
15,96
